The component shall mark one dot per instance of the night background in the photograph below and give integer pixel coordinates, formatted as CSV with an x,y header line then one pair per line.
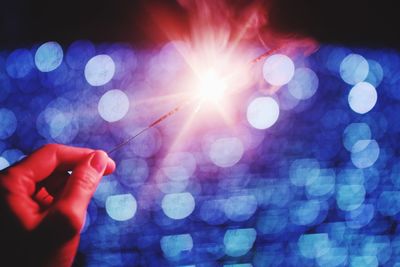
x,y
294,163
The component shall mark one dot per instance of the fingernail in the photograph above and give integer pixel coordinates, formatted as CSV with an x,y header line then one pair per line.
x,y
99,161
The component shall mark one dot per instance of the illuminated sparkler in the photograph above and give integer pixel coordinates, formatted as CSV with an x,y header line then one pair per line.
x,y
211,87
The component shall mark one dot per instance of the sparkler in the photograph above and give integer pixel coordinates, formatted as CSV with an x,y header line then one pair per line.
x,y
177,109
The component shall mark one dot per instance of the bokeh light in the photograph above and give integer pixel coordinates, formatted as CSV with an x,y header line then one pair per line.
x,y
321,185
240,208
238,242
304,212
355,132
79,53
3,163
99,70
133,171
178,205
176,245
8,123
360,217
375,74
389,203
354,69
147,144
121,207
362,97
262,112
226,152
48,56
278,69
179,166
350,197
57,122
336,256
12,155
364,153
113,105
19,63
304,83
357,261
304,171
314,245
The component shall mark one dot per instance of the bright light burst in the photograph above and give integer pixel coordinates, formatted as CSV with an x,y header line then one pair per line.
x,y
213,68
211,87
214,80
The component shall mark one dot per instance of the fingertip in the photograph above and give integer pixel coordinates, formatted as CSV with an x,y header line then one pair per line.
x,y
110,166
99,161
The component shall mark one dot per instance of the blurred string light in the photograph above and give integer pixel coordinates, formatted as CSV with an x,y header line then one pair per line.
x,y
8,123
121,207
238,242
240,208
278,69
12,155
354,69
355,132
79,53
113,105
179,166
99,70
48,56
133,171
19,63
296,165
362,97
304,83
178,205
226,152
3,163
262,112
174,246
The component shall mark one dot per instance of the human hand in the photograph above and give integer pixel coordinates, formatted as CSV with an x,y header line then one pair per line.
x,y
43,208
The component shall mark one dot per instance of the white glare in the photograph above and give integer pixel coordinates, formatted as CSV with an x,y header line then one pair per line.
x,y
211,86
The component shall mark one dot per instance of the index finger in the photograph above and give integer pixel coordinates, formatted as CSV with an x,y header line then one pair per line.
x,y
41,163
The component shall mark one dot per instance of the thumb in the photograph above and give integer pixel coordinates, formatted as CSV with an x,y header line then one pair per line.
x,y
70,209
84,180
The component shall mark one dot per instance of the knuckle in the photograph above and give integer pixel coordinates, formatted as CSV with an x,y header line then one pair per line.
x,y
87,180
50,147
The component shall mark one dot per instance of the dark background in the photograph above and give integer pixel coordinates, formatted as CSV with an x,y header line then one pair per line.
x,y
352,22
